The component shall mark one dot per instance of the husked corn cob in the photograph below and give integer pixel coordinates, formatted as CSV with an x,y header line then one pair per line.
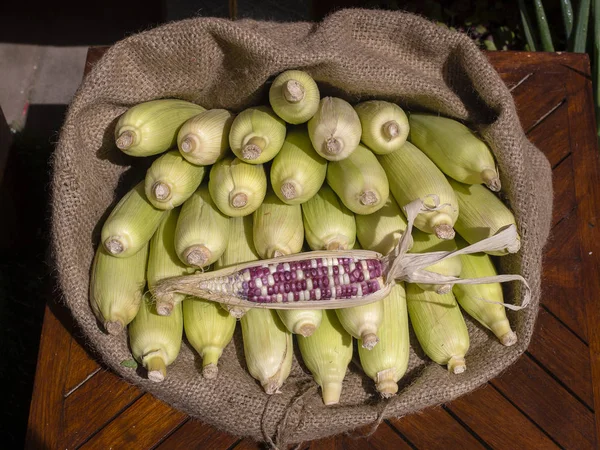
x,y
294,96
455,149
384,125
204,139
257,135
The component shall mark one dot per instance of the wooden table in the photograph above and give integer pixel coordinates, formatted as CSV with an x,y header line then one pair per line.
x,y
546,399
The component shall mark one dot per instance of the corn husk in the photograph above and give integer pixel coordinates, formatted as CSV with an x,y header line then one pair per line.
x,y
202,230
386,364
268,348
237,188
131,223
208,328
294,96
204,139
155,340
116,288
359,181
327,354
334,130
381,230
171,180
384,125
439,326
297,172
301,321
482,215
151,128
257,135
328,224
424,243
412,175
363,322
455,149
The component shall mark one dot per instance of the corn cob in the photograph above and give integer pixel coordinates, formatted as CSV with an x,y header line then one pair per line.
x,y
327,353
359,181
202,230
204,139
384,125
328,224
171,180
268,348
131,223
209,328
381,230
257,135
386,364
151,128
297,172
362,322
156,340
454,149
413,176
116,288
294,96
301,321
482,215
424,243
439,326
237,188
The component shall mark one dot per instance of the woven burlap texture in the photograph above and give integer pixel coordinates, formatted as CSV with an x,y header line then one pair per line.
x,y
356,54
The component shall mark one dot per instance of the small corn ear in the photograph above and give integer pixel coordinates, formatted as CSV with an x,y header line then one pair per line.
x,y
384,125
363,322
294,96
204,139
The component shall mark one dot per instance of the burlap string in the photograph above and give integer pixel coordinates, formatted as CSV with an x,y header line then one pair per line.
x,y
355,54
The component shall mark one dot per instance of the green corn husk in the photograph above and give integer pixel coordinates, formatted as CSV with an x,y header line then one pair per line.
x,y
335,129
384,125
155,340
257,135
482,215
151,128
277,228
386,364
116,288
328,224
131,223
294,96
359,181
439,326
208,328
202,230
204,139
297,172
327,354
237,188
362,322
425,243
240,249
163,261
268,348
382,230
171,180
469,297
301,321
412,175
455,149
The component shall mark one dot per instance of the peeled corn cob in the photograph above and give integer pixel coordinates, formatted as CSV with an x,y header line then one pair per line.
x,y
116,288
151,128
156,340
268,348
202,230
257,135
294,96
209,328
297,172
439,326
327,353
359,181
386,364
204,139
482,215
413,176
381,230
384,125
362,322
131,223
455,149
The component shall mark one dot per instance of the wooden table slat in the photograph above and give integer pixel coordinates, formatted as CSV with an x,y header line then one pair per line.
x,y
564,190
195,434
552,135
81,367
384,438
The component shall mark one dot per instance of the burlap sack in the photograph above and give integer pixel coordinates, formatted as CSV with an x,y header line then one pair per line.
x,y
356,54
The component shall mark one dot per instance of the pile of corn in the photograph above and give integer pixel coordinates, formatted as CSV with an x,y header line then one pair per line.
x,y
305,171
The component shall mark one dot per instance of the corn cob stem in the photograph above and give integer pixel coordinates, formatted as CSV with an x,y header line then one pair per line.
x,y
253,148
125,139
157,369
